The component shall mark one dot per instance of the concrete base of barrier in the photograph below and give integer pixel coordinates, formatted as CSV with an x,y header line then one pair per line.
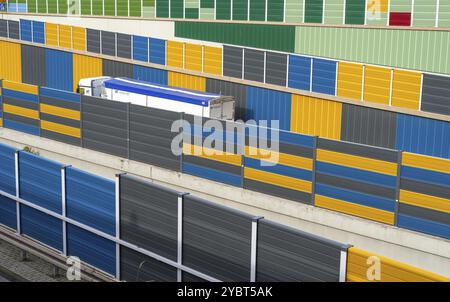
x,y
421,250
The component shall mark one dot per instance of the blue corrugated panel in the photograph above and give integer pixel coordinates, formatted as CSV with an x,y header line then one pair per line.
x,y
91,200
12,7
157,51
423,135
21,127
7,169
40,181
42,227
140,48
324,76
426,176
8,212
299,75
38,32
215,175
59,94
92,249
296,139
25,30
278,169
423,226
29,97
149,74
269,105
59,69
21,7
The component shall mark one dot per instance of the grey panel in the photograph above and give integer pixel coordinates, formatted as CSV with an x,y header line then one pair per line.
x,y
61,137
104,125
148,216
93,40
232,62
296,150
33,65
20,103
108,40
124,46
286,254
60,120
212,164
436,94
4,28
137,267
117,69
358,150
270,189
424,213
368,126
425,188
276,68
216,240
14,29
186,277
254,65
59,103
238,91
21,119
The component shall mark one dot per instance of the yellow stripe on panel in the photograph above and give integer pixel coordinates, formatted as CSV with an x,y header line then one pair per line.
x,y
10,61
278,180
51,34
406,89
193,57
377,84
212,154
25,112
425,201
85,67
350,78
212,60
58,111
63,129
426,162
279,158
175,54
79,38
65,36
187,81
27,88
1,122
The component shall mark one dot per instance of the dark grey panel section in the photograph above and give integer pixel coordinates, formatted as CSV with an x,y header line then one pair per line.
x,y
151,138
356,186
436,94
368,126
286,254
238,91
124,46
104,125
21,119
59,103
93,40
358,150
276,68
60,120
254,65
186,277
148,216
108,40
216,240
14,29
117,69
266,188
33,65
232,62
296,150
425,188
137,267
61,137
20,103
211,164
424,213
4,28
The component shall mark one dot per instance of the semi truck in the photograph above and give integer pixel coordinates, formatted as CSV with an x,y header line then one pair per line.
x,y
159,96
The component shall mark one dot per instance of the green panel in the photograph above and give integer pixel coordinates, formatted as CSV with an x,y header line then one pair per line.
x,y
97,7
207,3
52,6
207,13
444,13
401,6
148,9
294,11
424,13
122,8
191,13
162,8
313,11
42,6
176,9
223,10
32,7
240,10
257,10
62,7
135,8
110,8
85,7
334,11
275,10
355,11
274,37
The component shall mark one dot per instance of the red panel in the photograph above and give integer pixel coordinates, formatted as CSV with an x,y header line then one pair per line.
x,y
400,19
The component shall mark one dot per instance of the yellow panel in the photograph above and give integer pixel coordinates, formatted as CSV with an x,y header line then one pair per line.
x,y
357,162
390,270
212,60
193,57
58,111
406,89
79,38
278,180
425,201
65,36
350,78
377,85
354,209
187,81
51,34
380,6
426,162
1,122
314,116
30,113
63,129
279,158
27,88
207,153
175,54
85,67
10,61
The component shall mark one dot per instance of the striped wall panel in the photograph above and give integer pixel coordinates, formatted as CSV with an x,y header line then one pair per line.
x,y
8,214
8,185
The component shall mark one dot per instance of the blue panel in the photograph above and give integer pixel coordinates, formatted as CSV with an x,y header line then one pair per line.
x,y
59,94
423,135
140,48
21,7
25,30
38,32
91,200
278,169
59,69
7,169
355,197
424,226
223,177
33,98
324,76
299,75
40,181
42,227
157,51
92,249
268,105
149,74
297,139
12,7
21,127
427,176
8,212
